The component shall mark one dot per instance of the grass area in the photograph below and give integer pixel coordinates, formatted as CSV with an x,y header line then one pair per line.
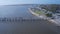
x,y
41,13
38,12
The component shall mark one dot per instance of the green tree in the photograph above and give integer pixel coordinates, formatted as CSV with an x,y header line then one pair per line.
x,y
49,15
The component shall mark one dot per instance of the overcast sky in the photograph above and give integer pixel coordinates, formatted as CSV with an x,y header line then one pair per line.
x,y
4,2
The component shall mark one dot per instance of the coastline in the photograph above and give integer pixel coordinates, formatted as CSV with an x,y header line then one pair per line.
x,y
43,17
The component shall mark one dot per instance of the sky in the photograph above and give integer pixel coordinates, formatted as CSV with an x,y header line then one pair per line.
x,y
7,2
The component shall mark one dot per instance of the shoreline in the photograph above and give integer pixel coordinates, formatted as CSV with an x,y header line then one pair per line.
x,y
42,17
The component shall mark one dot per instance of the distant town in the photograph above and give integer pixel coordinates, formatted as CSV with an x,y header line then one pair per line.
x,y
50,12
